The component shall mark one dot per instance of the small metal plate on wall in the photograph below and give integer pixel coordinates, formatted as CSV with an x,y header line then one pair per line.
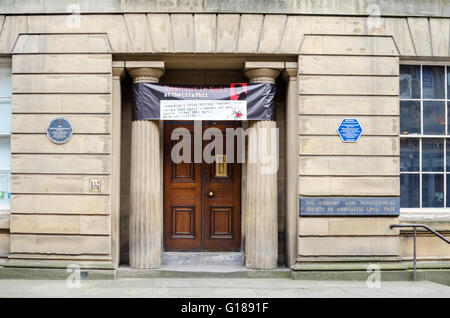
x,y
221,166
95,185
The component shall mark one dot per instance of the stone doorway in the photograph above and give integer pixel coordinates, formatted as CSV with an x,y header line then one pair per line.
x,y
202,77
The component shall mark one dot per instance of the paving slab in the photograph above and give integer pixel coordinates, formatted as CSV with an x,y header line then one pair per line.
x,y
218,287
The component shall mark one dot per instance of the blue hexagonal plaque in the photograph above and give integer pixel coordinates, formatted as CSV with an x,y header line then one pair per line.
x,y
350,130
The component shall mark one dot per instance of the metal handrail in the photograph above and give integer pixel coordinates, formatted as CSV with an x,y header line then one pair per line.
x,y
415,226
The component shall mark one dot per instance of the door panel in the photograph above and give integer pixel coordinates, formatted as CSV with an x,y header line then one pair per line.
x,y
182,197
201,200
221,211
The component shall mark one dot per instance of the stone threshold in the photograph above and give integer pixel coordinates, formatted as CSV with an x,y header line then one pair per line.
x,y
195,259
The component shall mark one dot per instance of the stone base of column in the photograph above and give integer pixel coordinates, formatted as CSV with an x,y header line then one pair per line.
x,y
146,218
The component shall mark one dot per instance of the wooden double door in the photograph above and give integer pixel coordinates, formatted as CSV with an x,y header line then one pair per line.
x,y
202,199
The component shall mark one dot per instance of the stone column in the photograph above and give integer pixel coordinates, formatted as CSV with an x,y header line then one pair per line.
x,y
146,213
290,77
118,72
261,212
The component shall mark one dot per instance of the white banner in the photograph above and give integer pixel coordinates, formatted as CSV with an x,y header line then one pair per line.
x,y
203,110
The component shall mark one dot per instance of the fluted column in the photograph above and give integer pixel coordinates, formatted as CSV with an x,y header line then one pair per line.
x,y
146,213
261,211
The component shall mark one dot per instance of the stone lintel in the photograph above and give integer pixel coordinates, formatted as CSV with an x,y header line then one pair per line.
x,y
145,64
250,65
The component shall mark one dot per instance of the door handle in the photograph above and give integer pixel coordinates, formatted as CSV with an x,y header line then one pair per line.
x,y
210,194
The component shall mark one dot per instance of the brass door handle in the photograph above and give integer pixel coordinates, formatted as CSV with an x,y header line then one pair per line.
x,y
210,194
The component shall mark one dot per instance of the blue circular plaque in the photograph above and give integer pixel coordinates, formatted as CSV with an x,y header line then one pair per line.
x,y
59,130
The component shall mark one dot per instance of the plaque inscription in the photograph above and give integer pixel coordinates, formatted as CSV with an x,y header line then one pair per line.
x,y
329,206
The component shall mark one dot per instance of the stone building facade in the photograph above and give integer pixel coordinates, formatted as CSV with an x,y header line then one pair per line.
x,y
329,60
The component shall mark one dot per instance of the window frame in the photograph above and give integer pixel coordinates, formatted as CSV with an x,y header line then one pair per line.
x,y
428,211
6,62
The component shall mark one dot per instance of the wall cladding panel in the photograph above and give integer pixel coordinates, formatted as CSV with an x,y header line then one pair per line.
x,y
348,77
65,75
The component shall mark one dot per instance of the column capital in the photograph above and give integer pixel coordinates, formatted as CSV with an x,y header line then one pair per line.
x,y
262,72
118,70
289,74
145,71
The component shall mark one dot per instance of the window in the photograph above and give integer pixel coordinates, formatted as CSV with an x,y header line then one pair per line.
x,y
5,134
424,136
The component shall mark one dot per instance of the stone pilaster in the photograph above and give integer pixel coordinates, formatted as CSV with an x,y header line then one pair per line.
x,y
260,193
118,72
146,218
291,236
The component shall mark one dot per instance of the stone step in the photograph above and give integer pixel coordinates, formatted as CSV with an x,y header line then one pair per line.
x,y
201,271
203,258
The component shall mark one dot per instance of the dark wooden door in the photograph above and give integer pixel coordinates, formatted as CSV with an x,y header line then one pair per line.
x,y
202,209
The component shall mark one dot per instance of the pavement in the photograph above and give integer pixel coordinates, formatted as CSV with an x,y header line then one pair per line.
x,y
218,287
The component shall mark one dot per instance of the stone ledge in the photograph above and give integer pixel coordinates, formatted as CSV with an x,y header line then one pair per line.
x,y
54,273
335,7
363,265
437,276
57,264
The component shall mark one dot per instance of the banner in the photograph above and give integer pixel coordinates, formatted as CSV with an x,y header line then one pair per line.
x,y
236,101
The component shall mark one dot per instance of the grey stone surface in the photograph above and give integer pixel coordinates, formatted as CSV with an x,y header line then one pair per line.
x,y
227,288
203,258
335,7
202,271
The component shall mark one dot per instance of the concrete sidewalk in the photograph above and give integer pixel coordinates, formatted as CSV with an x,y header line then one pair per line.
x,y
218,287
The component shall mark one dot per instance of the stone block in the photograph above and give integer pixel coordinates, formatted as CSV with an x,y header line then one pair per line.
x,y
60,204
349,246
61,63
62,163
61,103
249,33
62,43
327,125
420,32
348,105
205,32
60,244
348,85
61,83
271,34
82,124
348,45
348,65
60,224
183,32
349,186
227,33
348,166
78,144
333,145
347,226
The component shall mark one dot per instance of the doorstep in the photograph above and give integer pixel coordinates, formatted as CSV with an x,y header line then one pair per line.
x,y
202,271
